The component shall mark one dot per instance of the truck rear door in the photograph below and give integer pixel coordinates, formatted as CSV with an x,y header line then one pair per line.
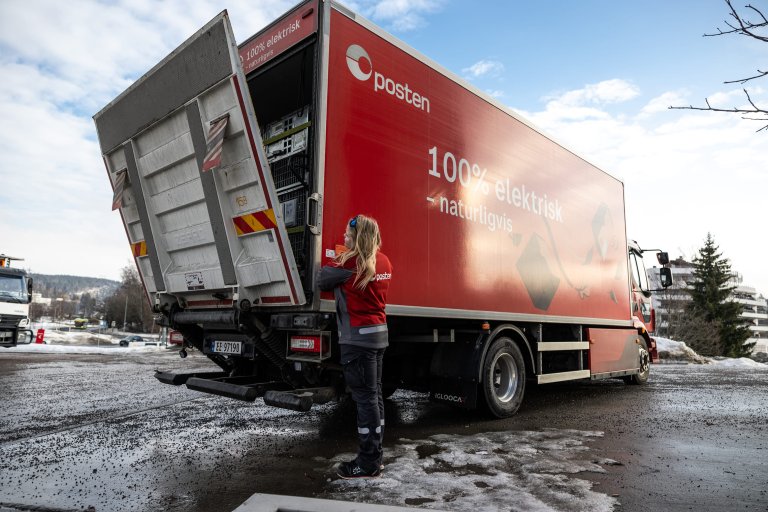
x,y
200,211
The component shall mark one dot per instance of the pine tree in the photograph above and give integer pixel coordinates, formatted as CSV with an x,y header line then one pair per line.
x,y
711,299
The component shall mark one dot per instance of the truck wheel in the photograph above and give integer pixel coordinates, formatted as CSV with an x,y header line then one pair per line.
x,y
503,383
645,366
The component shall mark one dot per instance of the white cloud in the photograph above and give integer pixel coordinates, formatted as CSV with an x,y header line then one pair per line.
x,y
662,102
482,68
495,93
397,15
685,172
601,93
56,199
727,99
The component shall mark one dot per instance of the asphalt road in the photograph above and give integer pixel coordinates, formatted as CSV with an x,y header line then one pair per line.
x,y
98,431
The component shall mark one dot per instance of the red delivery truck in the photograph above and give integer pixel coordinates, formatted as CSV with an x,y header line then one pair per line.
x,y
236,169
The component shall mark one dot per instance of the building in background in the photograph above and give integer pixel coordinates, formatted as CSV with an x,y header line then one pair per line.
x,y
671,303
37,298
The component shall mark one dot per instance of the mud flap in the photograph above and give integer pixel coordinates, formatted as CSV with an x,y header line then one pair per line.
x,y
454,373
453,391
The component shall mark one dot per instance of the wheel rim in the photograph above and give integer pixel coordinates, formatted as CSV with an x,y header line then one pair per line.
x,y
504,377
645,361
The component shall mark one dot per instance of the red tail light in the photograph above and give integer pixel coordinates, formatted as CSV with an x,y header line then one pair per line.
x,y
306,344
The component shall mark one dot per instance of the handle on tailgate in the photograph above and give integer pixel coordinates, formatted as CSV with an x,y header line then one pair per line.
x,y
313,214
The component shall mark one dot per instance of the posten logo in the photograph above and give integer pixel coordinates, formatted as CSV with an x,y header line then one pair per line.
x,y
361,67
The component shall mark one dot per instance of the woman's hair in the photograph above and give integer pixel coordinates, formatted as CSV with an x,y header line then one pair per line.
x,y
366,242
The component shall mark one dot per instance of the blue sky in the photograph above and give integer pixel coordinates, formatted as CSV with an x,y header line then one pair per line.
x,y
597,75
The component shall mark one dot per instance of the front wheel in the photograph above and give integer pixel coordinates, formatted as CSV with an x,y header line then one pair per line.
x,y
644,362
503,384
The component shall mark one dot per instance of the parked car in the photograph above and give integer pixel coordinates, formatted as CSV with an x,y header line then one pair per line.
x,y
137,341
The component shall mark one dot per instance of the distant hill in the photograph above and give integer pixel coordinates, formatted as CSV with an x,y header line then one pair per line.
x,y
66,286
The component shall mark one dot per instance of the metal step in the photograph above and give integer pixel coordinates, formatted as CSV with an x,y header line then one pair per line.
x,y
300,399
562,376
177,379
550,346
239,388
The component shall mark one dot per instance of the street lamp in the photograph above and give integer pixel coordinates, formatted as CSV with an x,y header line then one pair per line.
x,y
125,312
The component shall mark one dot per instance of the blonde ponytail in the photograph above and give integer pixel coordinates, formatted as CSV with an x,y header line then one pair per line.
x,y
366,243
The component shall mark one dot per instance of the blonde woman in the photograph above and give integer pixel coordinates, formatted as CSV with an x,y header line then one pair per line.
x,y
359,278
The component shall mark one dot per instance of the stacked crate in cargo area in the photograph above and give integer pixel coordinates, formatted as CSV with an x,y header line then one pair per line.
x,y
287,144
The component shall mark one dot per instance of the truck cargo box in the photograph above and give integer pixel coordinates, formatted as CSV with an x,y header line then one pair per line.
x,y
236,170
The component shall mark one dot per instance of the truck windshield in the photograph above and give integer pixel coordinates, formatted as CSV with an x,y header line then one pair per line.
x,y
12,289
639,277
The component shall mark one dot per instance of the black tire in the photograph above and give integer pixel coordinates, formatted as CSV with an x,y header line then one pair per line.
x,y
503,384
123,343
644,365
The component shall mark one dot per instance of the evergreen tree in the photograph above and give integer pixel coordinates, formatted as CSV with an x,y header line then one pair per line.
x,y
711,300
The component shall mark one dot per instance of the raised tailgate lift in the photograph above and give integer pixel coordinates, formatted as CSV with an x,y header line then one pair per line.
x,y
208,238
202,237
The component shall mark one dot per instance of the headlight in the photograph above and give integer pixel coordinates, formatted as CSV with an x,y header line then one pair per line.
x,y
24,323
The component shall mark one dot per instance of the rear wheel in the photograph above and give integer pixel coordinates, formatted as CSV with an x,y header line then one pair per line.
x,y
644,364
503,384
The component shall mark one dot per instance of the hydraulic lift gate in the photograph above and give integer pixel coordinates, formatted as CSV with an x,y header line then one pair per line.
x,y
208,232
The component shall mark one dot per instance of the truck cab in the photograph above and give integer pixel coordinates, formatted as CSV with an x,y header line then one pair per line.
x,y
15,296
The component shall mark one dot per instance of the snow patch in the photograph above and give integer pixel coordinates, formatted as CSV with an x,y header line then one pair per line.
x,y
516,471
678,351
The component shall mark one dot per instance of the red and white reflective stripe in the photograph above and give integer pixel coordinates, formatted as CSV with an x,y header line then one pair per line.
x,y
255,222
215,142
120,180
282,299
139,249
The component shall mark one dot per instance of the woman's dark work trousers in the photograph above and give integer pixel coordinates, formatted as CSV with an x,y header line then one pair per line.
x,y
362,372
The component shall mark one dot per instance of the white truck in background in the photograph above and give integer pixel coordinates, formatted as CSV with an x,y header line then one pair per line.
x,y
15,296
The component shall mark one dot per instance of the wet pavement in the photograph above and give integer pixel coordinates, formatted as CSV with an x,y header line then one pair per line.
x,y
79,431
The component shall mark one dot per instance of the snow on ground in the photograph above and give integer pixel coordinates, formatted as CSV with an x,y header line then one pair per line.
x,y
80,342
670,350
104,343
107,348
531,471
514,470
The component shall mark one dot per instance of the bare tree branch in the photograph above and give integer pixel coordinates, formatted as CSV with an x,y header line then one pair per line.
x,y
735,110
742,26
745,80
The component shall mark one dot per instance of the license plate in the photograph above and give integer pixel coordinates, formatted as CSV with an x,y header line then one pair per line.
x,y
228,347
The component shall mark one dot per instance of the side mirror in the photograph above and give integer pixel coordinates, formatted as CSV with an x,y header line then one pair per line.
x,y
663,258
665,276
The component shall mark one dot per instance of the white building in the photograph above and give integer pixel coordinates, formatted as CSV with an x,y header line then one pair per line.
x,y
674,299
756,310
38,298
